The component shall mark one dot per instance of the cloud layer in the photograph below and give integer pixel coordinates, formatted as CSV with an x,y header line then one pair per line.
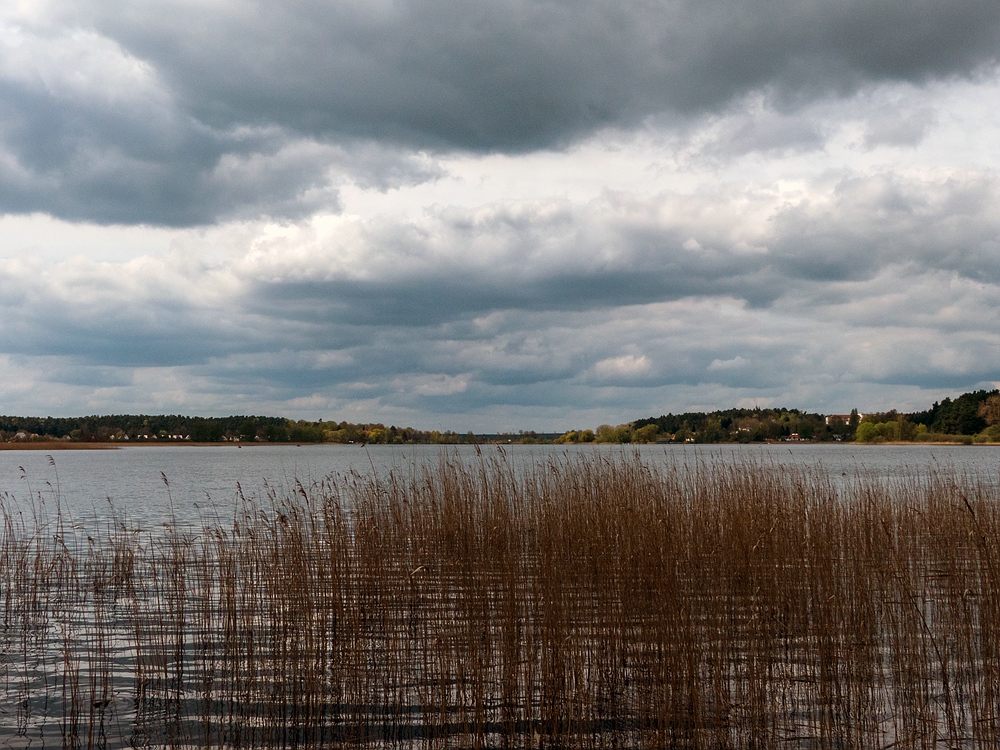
x,y
178,113
496,215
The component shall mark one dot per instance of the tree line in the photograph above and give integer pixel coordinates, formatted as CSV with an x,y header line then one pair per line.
x,y
177,428
971,417
724,426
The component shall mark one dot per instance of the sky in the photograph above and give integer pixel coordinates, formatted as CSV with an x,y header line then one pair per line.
x,y
495,215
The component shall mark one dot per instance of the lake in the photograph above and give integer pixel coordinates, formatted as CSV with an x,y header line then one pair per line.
x,y
151,484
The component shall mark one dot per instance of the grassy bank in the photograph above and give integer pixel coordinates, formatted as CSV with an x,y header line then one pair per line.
x,y
589,602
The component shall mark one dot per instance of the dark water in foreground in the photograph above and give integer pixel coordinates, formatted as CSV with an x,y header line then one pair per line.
x,y
151,484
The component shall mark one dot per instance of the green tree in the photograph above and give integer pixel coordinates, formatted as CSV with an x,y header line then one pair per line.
x,y
608,434
206,430
276,433
711,432
866,432
647,434
248,429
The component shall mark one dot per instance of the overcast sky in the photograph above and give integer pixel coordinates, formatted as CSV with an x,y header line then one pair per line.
x,y
497,214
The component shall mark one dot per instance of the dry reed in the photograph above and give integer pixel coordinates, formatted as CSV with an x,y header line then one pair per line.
x,y
583,602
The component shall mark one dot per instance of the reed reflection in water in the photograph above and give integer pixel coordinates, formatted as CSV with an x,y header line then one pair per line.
x,y
586,601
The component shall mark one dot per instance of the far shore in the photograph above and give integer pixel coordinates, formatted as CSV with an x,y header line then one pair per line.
x,y
54,445
68,445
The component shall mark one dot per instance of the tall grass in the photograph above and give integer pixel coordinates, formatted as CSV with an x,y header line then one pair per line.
x,y
585,602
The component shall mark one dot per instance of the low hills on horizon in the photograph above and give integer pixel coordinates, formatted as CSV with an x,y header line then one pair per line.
x,y
971,417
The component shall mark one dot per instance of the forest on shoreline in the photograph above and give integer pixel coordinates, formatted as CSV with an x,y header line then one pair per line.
x,y
970,418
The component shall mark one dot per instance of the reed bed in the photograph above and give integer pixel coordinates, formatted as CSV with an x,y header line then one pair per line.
x,y
595,601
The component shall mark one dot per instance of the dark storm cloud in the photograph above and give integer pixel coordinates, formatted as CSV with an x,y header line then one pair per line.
x,y
188,113
133,163
92,161
516,74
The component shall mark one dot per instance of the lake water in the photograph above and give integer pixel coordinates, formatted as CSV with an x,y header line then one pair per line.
x,y
150,484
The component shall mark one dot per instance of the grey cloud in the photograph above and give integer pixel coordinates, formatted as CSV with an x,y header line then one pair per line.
x,y
879,280
141,314
895,127
538,358
763,131
89,132
856,265
463,264
971,359
513,75
949,381
194,113
86,164
609,253
459,267
872,221
89,376
429,301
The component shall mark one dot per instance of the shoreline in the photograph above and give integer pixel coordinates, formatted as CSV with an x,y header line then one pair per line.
x,y
64,445
67,445
55,445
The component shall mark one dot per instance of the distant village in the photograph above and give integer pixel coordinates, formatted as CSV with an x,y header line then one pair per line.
x,y
970,418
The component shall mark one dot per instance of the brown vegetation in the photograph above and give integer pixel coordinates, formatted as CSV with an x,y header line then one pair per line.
x,y
587,602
